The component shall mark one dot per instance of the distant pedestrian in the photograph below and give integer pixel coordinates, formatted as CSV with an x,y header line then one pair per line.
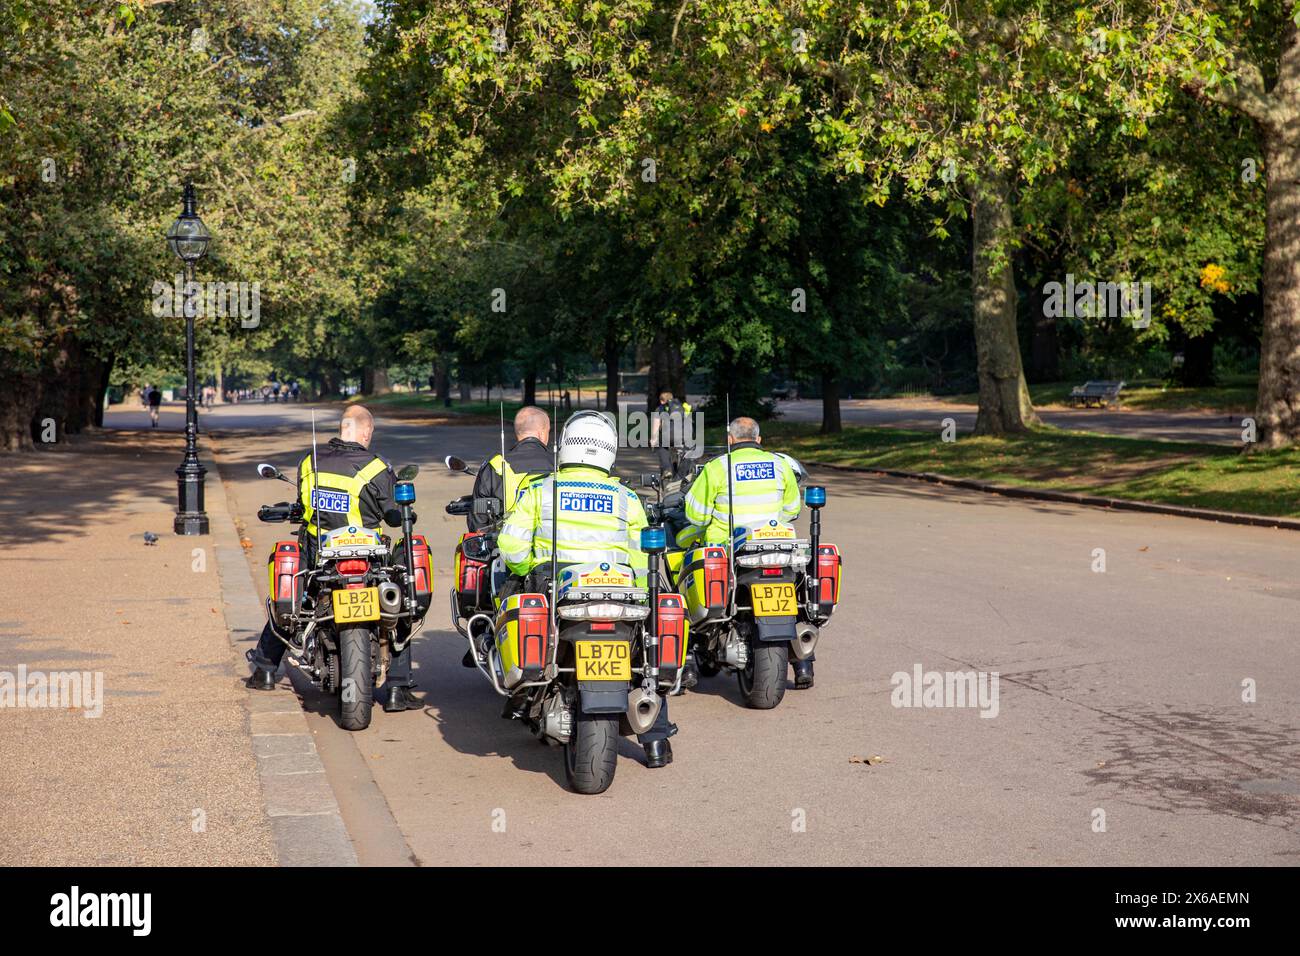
x,y
295,390
155,400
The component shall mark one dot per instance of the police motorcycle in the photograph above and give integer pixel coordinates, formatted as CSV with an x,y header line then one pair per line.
x,y
343,617
583,655
753,602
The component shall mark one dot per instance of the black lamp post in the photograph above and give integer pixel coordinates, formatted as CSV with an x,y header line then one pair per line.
x,y
188,239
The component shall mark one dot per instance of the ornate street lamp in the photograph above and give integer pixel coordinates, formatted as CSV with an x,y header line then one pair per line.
x,y
188,238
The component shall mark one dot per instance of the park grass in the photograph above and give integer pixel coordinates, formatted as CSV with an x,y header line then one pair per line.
x,y
1236,394
1197,475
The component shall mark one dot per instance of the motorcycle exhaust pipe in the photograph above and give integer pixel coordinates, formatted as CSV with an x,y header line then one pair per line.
x,y
805,641
642,709
390,598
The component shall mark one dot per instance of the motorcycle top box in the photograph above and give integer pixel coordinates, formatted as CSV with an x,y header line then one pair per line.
x,y
704,581
423,577
470,573
522,641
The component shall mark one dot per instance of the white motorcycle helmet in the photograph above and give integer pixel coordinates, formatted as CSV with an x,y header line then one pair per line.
x,y
589,438
799,472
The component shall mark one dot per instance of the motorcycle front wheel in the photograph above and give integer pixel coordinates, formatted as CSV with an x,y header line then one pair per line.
x,y
591,754
357,684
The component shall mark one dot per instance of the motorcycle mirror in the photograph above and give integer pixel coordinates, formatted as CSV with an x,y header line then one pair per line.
x,y
649,480
408,473
268,471
455,464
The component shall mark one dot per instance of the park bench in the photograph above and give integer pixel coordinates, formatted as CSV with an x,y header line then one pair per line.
x,y
1101,394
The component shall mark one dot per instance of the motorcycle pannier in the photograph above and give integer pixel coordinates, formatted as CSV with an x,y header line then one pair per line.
x,y
471,578
423,570
828,577
286,561
706,579
521,635
673,634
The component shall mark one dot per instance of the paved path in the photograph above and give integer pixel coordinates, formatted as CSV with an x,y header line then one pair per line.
x,y
165,774
1120,700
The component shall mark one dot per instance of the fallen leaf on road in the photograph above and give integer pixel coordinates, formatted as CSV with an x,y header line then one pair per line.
x,y
873,759
1147,548
246,544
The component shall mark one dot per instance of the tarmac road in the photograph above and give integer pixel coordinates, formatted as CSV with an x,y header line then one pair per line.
x,y
1120,738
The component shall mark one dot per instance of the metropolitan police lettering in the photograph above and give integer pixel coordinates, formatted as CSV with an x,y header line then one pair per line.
x,y
322,499
586,501
753,470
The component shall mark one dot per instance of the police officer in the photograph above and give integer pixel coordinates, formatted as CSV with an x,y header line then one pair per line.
x,y
668,431
610,533
528,458
753,497
344,465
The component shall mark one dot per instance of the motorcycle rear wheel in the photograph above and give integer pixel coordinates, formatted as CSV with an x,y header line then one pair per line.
x,y
591,755
762,681
357,686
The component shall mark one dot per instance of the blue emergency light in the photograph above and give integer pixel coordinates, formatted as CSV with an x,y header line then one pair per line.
x,y
814,496
653,540
404,492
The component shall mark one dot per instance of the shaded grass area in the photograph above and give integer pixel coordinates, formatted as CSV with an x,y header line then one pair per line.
x,y
1196,475
1236,394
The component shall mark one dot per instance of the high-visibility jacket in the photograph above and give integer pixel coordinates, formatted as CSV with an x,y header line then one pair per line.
x,y
501,480
599,520
349,486
763,488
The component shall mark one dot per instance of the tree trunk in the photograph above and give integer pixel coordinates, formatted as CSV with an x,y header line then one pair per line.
x,y
1277,415
1004,404
374,381
831,423
442,382
612,352
19,397
59,380
530,387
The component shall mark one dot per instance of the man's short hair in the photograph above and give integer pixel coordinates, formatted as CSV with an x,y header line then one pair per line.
x,y
531,421
665,397
360,418
743,429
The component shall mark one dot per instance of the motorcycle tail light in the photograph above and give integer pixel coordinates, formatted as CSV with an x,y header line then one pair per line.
x,y
772,572
354,566
601,626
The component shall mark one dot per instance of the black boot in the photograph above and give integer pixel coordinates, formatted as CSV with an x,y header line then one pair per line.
x,y
399,699
803,675
516,708
658,753
261,679
468,660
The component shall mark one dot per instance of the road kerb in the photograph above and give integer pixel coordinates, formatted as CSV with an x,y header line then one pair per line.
x,y
306,826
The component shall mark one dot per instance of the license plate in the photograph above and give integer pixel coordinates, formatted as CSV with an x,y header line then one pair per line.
x,y
604,660
351,606
773,600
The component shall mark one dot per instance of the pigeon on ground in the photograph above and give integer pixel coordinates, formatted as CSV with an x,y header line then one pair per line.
x,y
150,538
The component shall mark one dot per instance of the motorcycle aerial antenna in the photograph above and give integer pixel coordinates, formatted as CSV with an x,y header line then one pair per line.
x,y
502,406
731,520
314,480
555,503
